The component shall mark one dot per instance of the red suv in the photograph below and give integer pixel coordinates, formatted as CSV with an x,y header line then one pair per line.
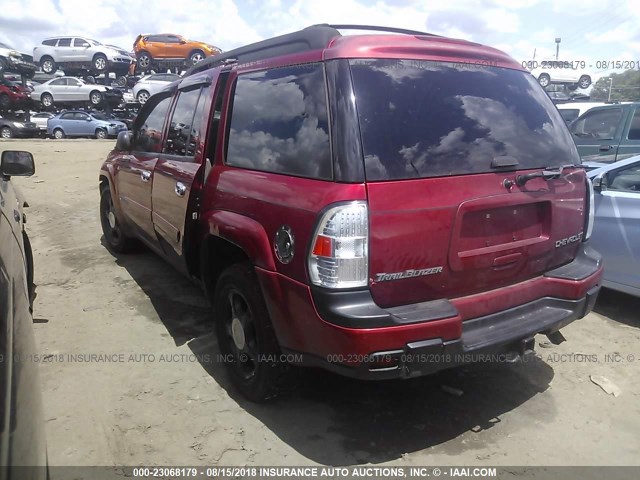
x,y
379,205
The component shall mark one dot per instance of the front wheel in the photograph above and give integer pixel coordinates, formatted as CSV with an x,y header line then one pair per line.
x,y
101,133
196,57
47,100
115,239
544,80
245,334
95,98
100,62
584,81
144,61
142,97
58,134
6,132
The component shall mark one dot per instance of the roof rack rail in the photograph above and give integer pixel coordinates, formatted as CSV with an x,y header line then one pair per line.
x,y
377,28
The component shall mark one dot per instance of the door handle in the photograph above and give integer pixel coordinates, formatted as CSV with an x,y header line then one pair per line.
x,y
605,148
145,175
180,189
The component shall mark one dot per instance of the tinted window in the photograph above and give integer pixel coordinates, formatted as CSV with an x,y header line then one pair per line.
x,y
153,38
634,128
181,125
51,42
426,119
81,116
72,82
149,136
569,115
598,124
64,42
171,39
59,81
279,122
66,116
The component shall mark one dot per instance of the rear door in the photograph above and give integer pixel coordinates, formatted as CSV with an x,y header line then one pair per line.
x,y
630,144
63,50
134,170
597,133
69,123
177,170
442,145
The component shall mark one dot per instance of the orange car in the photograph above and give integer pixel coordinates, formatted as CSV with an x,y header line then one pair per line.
x,y
167,46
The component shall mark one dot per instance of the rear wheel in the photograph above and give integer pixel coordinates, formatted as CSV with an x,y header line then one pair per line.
x,y
58,133
245,334
48,65
585,81
115,239
6,132
101,133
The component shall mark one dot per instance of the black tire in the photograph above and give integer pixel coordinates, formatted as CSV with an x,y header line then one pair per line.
x,y
121,81
47,100
28,253
5,101
142,96
48,65
252,359
116,240
100,62
544,80
95,98
6,132
144,61
196,57
58,134
101,133
584,81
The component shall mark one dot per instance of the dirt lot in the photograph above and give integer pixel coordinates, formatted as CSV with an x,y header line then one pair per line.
x,y
157,404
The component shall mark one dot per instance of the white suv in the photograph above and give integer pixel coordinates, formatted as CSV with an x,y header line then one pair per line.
x,y
80,53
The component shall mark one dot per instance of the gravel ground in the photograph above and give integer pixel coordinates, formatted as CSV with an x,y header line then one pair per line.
x,y
148,400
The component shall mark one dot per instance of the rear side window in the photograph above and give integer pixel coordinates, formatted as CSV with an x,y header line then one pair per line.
x,y
427,119
598,124
51,42
279,122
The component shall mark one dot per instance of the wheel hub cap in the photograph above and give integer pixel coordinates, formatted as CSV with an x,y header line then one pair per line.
x,y
112,219
237,333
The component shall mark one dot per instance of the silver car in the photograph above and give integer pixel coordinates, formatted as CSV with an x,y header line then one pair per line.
x,y
75,52
616,231
66,90
151,84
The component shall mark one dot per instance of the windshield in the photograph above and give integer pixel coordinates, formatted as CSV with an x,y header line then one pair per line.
x,y
95,42
425,119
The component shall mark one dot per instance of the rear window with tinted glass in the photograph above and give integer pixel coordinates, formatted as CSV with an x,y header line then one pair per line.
x,y
427,119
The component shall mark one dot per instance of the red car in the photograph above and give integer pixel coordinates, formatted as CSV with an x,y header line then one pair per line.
x,y
383,206
13,96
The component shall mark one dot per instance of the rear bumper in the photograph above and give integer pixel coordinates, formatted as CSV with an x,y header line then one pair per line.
x,y
348,333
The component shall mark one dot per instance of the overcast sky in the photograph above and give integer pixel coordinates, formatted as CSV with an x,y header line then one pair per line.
x,y
590,29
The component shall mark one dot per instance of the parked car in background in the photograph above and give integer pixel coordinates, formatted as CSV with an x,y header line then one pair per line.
x,y
559,71
10,128
77,123
22,433
572,110
13,96
168,46
454,224
616,230
608,133
13,61
74,54
65,90
40,119
151,84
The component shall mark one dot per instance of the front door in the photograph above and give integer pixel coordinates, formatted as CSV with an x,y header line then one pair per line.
x,y
134,174
177,170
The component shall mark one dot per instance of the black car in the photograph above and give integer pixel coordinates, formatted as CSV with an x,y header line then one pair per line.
x,y
17,128
22,440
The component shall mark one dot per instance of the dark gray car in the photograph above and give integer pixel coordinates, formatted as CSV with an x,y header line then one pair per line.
x,y
616,230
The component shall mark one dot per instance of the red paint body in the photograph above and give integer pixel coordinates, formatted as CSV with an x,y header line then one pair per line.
x,y
494,244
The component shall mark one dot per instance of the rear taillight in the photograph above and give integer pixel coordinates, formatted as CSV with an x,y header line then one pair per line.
x,y
590,214
339,256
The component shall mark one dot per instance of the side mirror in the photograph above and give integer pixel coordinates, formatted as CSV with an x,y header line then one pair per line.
x,y
600,182
123,143
182,42
86,45
17,164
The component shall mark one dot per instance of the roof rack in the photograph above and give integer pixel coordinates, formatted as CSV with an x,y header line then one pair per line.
x,y
314,37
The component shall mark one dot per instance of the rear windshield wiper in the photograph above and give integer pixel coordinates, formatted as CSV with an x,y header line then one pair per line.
x,y
548,174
